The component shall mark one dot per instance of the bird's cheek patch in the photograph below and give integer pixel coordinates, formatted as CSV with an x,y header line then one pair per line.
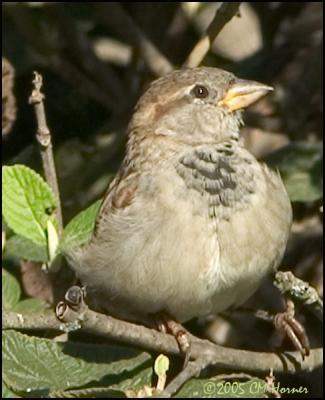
x,y
162,109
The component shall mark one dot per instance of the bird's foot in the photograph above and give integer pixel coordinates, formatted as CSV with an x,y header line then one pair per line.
x,y
167,324
287,325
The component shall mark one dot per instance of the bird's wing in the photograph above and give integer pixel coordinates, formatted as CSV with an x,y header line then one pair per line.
x,y
118,197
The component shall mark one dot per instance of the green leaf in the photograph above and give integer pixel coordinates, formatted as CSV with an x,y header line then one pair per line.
x,y
7,393
80,228
30,306
94,392
10,290
161,365
219,388
40,366
300,165
23,248
28,202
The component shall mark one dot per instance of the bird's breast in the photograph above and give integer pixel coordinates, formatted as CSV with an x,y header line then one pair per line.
x,y
248,209
224,175
198,236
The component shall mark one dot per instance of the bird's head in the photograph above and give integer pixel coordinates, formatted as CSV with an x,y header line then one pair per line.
x,y
194,106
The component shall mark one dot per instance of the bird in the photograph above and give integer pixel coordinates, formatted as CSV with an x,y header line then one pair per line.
x,y
192,223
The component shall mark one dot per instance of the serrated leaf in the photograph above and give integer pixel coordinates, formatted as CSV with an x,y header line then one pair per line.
x,y
32,364
30,306
10,290
27,202
218,388
20,247
80,228
136,381
300,165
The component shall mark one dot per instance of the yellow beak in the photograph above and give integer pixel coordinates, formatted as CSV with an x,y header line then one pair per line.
x,y
243,93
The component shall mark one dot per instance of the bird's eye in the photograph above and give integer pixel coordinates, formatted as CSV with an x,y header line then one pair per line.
x,y
200,91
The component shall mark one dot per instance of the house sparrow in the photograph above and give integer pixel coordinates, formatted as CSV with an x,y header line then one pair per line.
x,y
192,222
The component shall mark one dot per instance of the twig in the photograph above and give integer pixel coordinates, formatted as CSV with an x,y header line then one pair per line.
x,y
270,385
300,291
114,16
37,321
193,369
149,339
43,136
223,15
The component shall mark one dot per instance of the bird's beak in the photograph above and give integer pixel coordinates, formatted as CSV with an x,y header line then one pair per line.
x,y
243,93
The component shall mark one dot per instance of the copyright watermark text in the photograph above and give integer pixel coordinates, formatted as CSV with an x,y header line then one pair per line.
x,y
251,388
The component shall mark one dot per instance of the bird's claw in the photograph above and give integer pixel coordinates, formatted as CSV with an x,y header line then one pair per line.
x,y
168,324
287,325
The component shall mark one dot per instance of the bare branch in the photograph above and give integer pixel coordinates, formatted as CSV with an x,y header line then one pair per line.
x,y
149,339
192,369
223,15
299,291
43,136
37,321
